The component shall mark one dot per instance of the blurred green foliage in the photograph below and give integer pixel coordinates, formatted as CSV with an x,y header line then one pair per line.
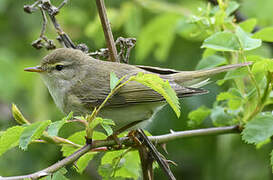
x,y
166,37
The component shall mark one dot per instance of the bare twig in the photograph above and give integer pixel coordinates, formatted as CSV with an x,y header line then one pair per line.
x,y
107,31
127,142
51,169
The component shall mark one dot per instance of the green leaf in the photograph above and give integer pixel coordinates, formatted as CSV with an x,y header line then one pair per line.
x,y
232,6
220,117
107,129
266,34
77,138
227,41
154,82
259,129
246,42
83,161
222,41
198,116
248,25
54,128
59,175
114,81
10,138
157,36
235,74
18,116
211,62
32,132
120,164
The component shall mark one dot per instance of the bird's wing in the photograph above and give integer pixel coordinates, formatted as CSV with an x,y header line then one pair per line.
x,y
131,93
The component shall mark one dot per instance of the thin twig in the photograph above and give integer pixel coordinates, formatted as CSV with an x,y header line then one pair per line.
x,y
128,142
51,169
107,31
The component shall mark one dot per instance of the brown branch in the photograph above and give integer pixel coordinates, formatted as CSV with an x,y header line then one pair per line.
x,y
128,142
107,31
55,167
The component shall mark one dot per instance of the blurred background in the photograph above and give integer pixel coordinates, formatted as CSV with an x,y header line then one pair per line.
x,y
164,38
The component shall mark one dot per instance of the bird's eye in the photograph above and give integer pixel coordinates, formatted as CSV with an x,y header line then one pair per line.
x,y
59,67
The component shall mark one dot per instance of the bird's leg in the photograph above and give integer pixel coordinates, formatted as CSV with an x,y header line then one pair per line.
x,y
115,134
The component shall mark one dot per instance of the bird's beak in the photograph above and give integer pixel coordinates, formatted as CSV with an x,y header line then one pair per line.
x,y
34,69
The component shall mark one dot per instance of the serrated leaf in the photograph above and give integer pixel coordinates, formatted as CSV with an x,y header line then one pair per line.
x,y
18,116
265,34
198,116
32,132
246,42
83,161
10,138
154,82
259,129
248,25
222,41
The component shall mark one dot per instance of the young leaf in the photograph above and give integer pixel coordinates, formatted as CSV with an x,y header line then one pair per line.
x,y
222,41
265,34
246,42
77,138
32,132
248,25
198,116
83,161
232,6
10,138
114,81
219,116
259,129
54,127
18,116
162,87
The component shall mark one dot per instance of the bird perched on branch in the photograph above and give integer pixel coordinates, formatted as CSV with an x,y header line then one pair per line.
x,y
79,83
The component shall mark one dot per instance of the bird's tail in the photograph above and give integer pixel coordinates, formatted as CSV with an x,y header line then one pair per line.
x,y
199,78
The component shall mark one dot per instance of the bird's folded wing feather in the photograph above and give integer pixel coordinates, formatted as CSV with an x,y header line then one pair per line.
x,y
131,93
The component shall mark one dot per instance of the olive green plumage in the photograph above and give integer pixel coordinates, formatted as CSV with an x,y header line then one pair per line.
x,y
78,83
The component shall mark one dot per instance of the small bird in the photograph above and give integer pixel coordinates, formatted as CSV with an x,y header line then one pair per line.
x,y
79,83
